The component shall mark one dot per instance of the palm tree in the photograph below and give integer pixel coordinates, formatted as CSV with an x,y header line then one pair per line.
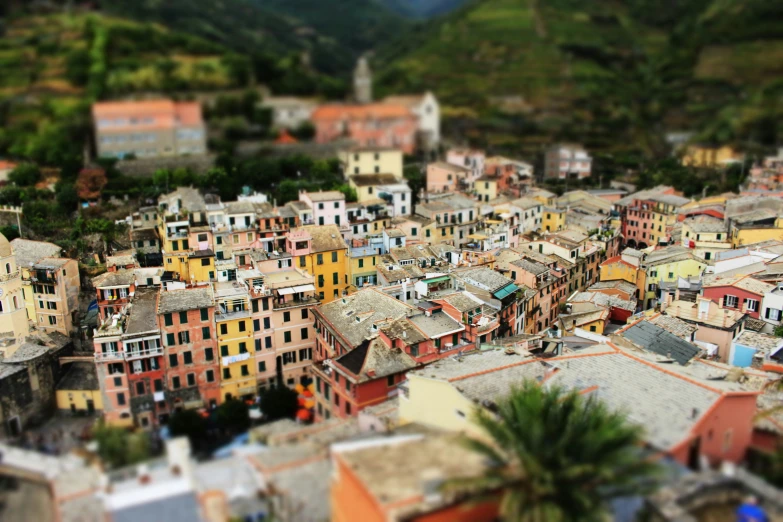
x,y
558,456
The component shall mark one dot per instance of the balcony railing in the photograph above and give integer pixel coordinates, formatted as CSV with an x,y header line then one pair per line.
x,y
138,354
109,356
295,302
8,277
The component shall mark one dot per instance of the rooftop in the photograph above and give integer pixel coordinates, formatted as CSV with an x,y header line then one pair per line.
x,y
656,339
673,325
437,324
28,251
449,166
185,299
602,299
370,180
326,238
329,195
142,316
760,341
80,376
353,316
372,359
114,279
705,224
483,277
745,282
723,318
461,301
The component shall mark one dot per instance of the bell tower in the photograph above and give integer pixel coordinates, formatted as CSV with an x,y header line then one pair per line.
x,y
362,81
14,326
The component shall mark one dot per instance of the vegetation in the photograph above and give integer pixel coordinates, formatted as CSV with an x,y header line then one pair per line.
x,y
613,75
118,447
190,424
559,456
279,402
233,416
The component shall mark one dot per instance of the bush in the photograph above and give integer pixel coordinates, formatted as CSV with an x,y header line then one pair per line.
x,y
280,403
190,424
118,447
233,416
25,175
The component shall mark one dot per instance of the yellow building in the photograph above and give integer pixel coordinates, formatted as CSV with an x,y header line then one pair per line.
x,y
235,341
747,234
705,236
553,219
13,314
667,265
372,160
362,266
367,187
486,188
704,156
79,391
326,259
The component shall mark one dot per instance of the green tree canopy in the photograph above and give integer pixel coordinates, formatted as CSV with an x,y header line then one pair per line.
x,y
25,175
280,403
233,416
118,447
559,456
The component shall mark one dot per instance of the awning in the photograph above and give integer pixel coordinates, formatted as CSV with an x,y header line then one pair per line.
x,y
304,288
287,291
505,291
437,279
478,237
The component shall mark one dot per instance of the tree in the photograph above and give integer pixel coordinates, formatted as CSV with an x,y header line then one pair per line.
x,y
349,191
280,403
118,447
559,456
67,198
188,423
25,175
233,416
779,331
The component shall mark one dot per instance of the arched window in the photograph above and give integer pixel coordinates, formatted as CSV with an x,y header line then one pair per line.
x,y
8,268
1,307
16,303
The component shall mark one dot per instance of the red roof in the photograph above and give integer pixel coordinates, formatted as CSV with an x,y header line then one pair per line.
x,y
285,138
358,112
616,259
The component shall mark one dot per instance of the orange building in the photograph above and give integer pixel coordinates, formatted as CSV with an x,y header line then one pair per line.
x,y
405,481
370,125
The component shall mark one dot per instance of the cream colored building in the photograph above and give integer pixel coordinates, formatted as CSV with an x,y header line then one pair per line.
x,y
13,317
371,160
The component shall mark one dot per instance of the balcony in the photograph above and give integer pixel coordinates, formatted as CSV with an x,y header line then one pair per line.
x,y
292,303
109,356
8,277
463,345
138,354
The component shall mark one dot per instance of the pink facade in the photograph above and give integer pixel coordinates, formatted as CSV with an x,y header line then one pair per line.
x,y
471,159
371,125
445,177
735,298
638,222
328,207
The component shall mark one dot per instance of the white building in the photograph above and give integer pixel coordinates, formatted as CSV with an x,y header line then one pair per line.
x,y
567,161
289,112
427,110
772,306
470,159
397,197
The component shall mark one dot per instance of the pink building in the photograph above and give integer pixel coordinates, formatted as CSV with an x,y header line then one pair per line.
x,y
471,159
369,125
328,207
717,326
447,177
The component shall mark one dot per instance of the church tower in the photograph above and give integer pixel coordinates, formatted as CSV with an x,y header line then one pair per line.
x,y
13,315
362,81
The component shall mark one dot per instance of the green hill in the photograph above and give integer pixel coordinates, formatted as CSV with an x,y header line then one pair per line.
x,y
613,73
423,8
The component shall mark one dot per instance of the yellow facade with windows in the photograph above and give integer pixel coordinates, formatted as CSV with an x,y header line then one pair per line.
x,y
702,156
79,400
237,360
486,189
747,235
553,219
362,267
328,262
372,161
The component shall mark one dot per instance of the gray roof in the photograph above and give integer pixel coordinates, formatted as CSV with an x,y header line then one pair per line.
x,y
436,324
665,405
655,339
183,507
27,352
458,369
121,277
186,299
757,340
142,317
80,376
533,267
483,277
354,315
701,224
460,300
619,284
28,251
602,299
673,325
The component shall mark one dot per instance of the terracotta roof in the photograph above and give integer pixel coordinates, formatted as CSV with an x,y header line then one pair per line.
x,y
361,112
104,109
188,113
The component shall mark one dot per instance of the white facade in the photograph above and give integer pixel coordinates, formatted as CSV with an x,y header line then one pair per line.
x,y
289,112
400,204
772,306
428,112
470,159
566,161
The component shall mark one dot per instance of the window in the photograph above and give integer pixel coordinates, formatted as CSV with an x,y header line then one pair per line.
x,y
286,317
205,261
304,313
730,301
184,337
121,399
208,354
302,261
206,333
258,345
320,259
361,263
210,376
187,357
592,328
223,329
170,339
335,278
242,347
168,320
773,314
304,333
287,337
752,304
52,319
241,326
390,380
226,373
224,351
267,323
347,408
158,385
118,381
334,257
173,360
175,383
191,379
268,342
204,314
245,371
256,325
336,400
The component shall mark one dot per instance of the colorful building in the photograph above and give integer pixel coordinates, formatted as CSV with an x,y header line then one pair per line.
x,y
371,160
235,341
13,316
447,177
368,125
322,252
737,293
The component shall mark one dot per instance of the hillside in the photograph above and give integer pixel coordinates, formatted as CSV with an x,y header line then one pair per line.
x,y
423,8
603,71
55,65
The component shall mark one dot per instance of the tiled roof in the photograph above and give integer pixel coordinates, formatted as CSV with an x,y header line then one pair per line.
x,y
462,301
326,238
744,281
706,225
369,180
449,166
118,278
373,360
185,299
143,317
436,325
329,195
533,267
483,277
757,340
603,300
353,316
28,251
618,284
673,325
656,339
371,111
